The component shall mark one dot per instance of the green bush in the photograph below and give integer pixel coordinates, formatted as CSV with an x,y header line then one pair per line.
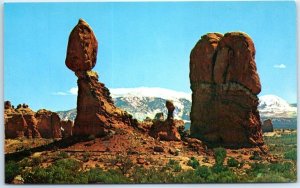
x,y
62,171
174,165
231,162
292,155
220,155
12,169
62,155
97,175
151,175
193,162
203,172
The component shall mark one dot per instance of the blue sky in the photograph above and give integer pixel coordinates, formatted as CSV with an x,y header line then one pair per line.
x,y
140,44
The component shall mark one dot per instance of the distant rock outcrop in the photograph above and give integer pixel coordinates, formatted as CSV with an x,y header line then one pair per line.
x,y
67,128
19,122
225,84
167,130
15,124
267,126
170,106
28,114
96,112
49,124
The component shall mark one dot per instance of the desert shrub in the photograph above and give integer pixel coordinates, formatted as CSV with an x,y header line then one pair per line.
x,y
26,162
62,155
188,176
151,175
174,165
203,171
97,175
220,155
281,167
124,163
225,176
35,161
61,171
292,155
12,169
255,156
231,162
268,178
219,168
193,162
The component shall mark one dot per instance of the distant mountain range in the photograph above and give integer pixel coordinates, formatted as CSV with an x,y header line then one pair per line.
x,y
145,102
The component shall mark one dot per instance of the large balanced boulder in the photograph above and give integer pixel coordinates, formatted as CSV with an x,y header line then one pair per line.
x,y
225,84
48,124
96,112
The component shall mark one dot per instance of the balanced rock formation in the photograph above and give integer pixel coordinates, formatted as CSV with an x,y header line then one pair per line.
x,y
170,106
267,126
166,130
96,112
48,124
225,84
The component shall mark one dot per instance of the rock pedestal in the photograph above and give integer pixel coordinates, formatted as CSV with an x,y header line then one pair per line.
x,y
96,112
167,130
225,84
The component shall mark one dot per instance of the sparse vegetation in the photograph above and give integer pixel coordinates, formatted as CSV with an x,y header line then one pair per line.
x,y
193,162
12,169
231,162
220,155
121,168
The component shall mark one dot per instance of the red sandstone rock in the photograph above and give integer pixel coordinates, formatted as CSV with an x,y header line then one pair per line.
x,y
48,124
19,122
67,128
267,126
31,121
225,83
165,130
82,48
235,62
96,112
201,57
170,106
15,125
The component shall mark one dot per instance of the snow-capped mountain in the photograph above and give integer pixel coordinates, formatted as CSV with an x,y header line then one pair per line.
x,y
272,106
145,102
